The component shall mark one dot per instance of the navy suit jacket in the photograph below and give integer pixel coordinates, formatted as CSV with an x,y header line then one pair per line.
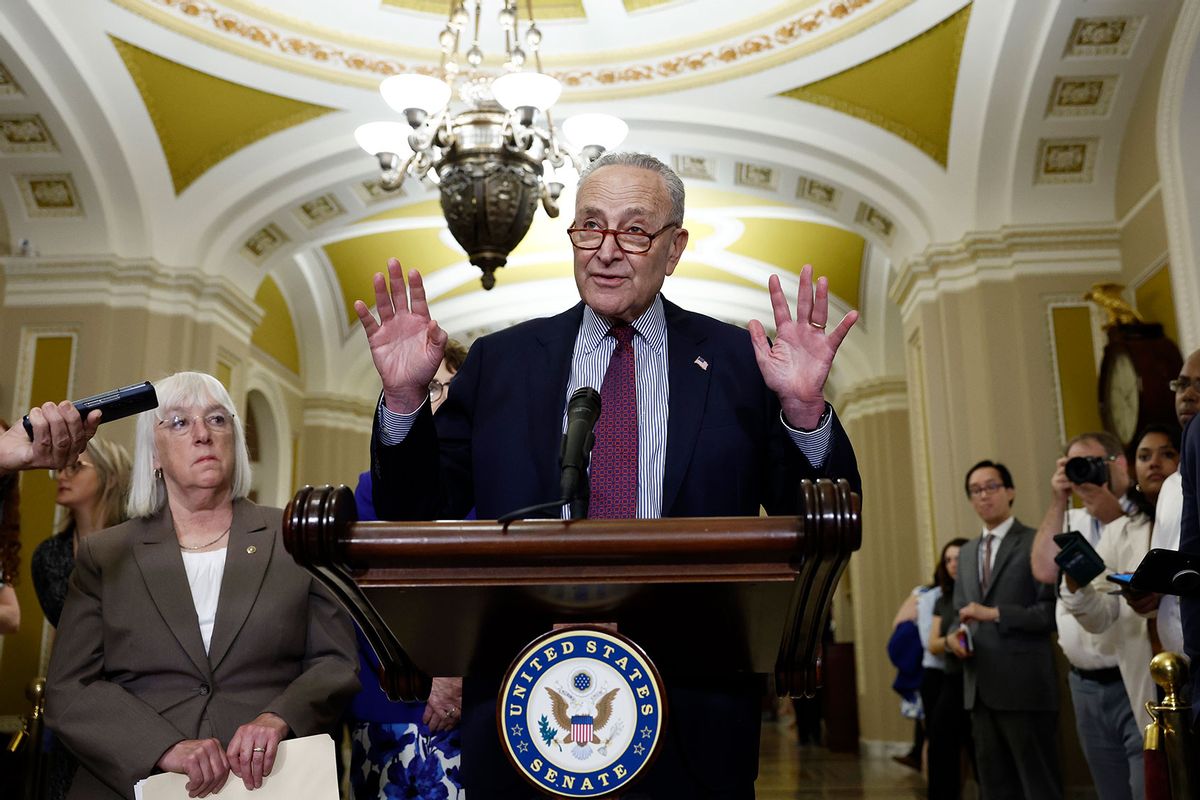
x,y
1189,542
497,438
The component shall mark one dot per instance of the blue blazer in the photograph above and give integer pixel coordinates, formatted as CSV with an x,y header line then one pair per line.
x,y
498,435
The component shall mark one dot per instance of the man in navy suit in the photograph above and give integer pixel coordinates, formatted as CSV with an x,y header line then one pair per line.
x,y
726,421
1189,542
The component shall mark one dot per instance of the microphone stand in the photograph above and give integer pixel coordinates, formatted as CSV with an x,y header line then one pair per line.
x,y
579,502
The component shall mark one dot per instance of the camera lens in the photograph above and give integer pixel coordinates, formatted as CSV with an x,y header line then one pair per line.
x,y
1087,469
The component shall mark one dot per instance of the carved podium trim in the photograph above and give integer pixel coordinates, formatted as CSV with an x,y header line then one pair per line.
x,y
809,551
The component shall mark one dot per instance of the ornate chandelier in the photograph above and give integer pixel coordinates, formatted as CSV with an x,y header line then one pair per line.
x,y
486,140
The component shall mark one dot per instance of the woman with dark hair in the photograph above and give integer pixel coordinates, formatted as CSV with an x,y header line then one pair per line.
x,y
10,548
948,726
1123,544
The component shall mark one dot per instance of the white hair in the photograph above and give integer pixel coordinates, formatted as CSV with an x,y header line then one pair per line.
x,y
148,493
670,178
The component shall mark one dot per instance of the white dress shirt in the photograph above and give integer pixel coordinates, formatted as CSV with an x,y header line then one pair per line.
x,y
1083,649
1122,546
998,533
1167,518
204,573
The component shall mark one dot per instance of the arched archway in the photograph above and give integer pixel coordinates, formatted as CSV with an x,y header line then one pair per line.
x,y
266,446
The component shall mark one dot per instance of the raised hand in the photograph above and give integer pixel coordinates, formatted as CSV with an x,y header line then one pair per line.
x,y
406,344
796,364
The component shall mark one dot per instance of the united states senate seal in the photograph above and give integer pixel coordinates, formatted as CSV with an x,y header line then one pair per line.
x,y
581,712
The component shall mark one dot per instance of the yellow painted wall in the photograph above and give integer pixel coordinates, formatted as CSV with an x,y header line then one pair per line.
x,y
908,91
1077,376
276,334
52,367
201,120
1156,302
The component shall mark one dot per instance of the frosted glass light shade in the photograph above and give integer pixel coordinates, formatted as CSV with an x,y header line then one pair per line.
x,y
602,130
384,137
533,89
427,93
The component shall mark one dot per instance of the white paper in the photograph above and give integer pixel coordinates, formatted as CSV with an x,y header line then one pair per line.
x,y
303,768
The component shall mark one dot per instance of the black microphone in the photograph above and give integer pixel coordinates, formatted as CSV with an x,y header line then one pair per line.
x,y
583,410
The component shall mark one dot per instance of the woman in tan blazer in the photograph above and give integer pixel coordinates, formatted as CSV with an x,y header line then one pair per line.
x,y
190,641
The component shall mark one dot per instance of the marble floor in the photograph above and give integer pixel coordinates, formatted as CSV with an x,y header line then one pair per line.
x,y
787,770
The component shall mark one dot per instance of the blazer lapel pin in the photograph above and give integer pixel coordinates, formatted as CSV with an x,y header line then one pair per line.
x,y
701,363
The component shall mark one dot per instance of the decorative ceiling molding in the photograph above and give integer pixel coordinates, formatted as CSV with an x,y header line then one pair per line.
x,y
8,86
783,34
120,283
696,168
819,192
883,395
757,176
1004,255
1081,95
263,242
49,195
318,210
340,412
875,220
1102,36
25,133
371,191
542,9
1066,160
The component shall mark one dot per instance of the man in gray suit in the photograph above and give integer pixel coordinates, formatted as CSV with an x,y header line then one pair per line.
x,y
1007,619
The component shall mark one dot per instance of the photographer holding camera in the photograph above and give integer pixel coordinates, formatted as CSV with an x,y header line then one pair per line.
x,y
1095,470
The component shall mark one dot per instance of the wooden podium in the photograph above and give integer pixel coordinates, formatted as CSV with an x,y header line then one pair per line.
x,y
714,594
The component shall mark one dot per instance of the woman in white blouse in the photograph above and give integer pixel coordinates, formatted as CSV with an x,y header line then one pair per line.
x,y
1124,542
190,641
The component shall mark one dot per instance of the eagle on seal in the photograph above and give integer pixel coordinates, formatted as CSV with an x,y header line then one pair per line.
x,y
582,719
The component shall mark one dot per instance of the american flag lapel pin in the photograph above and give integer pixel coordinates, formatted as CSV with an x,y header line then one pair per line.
x,y
701,363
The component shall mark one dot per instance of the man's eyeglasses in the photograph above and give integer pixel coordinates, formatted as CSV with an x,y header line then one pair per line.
x,y
437,389
991,487
631,243
1181,384
70,470
216,422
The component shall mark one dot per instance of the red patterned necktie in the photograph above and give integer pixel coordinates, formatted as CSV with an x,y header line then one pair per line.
x,y
614,472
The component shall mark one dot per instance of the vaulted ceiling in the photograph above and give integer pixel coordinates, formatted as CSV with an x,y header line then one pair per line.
x,y
216,135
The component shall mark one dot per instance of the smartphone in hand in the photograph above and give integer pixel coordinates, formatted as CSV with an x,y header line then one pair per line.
x,y
1123,580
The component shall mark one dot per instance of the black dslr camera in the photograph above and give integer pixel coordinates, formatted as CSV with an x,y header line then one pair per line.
x,y
1087,469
